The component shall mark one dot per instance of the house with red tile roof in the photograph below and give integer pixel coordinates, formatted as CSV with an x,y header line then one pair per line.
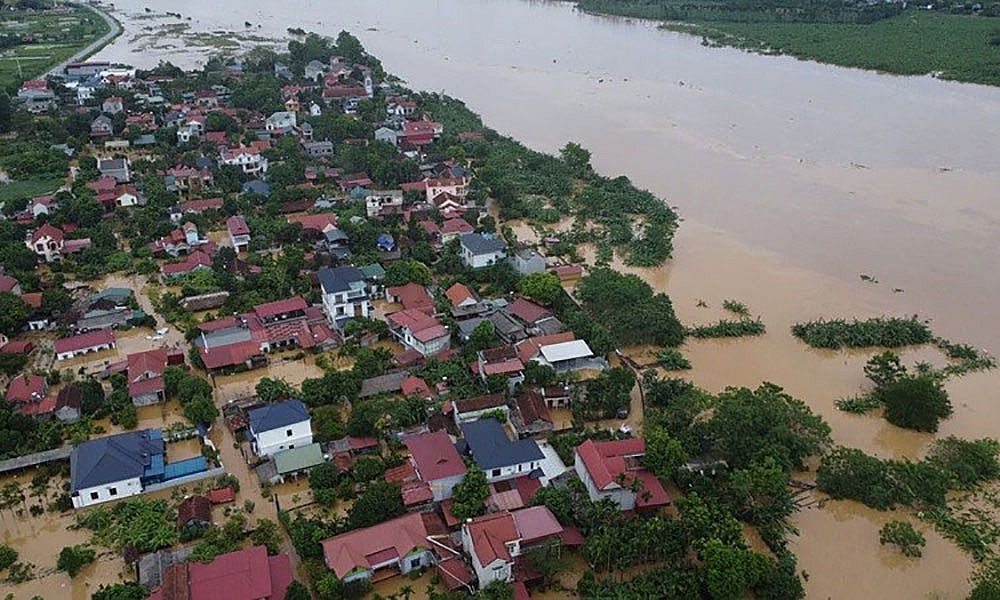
x,y
26,388
247,158
242,575
239,233
460,296
412,296
50,243
315,225
415,387
453,228
417,330
194,511
502,360
495,542
195,261
243,340
530,416
437,462
144,373
199,206
527,311
471,409
613,470
94,341
402,544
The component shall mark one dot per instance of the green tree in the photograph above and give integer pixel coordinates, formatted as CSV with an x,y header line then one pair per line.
x,y
121,591
918,402
201,410
469,496
266,534
274,390
902,534
402,272
13,313
577,158
664,454
379,502
732,571
884,369
544,288
6,112
482,337
8,556
74,558
760,492
297,591
750,425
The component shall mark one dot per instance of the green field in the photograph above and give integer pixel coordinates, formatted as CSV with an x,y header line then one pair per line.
x,y
956,47
58,34
962,47
20,190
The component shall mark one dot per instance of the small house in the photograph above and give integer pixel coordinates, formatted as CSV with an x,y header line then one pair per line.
x,y
280,426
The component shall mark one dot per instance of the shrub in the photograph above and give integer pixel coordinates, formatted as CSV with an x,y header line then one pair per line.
x,y
902,535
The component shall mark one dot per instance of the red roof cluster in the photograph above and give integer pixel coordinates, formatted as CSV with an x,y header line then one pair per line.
x,y
609,462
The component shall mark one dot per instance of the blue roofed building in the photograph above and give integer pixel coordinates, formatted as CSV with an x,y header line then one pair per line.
x,y
281,426
116,466
496,454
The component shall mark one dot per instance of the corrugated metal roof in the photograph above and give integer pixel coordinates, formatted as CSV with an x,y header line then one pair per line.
x,y
298,459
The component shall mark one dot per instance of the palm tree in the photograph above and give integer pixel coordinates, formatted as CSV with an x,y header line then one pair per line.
x,y
406,591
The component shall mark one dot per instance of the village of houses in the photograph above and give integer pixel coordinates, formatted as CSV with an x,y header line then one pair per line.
x,y
498,426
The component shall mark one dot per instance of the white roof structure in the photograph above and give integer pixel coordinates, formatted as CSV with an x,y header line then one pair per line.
x,y
554,353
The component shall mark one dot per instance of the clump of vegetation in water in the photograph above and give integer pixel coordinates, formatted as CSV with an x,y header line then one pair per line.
x,y
737,308
904,536
859,405
968,358
886,332
671,359
746,325
952,464
729,328
146,525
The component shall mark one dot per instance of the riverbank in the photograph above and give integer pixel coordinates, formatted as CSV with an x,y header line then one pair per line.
x,y
915,42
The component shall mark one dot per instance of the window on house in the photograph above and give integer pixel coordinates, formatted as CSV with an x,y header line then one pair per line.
x,y
113,491
495,473
519,467
93,495
288,433
415,563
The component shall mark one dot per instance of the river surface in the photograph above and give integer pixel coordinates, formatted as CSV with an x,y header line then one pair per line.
x,y
793,178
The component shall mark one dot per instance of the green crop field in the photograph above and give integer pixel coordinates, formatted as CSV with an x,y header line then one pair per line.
x,y
57,35
20,190
883,37
959,47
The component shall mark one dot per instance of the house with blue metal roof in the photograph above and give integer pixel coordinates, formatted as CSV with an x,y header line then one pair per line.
x,y
280,426
116,466
124,465
496,454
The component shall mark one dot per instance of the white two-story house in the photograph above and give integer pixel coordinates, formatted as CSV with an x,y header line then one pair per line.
x,y
280,426
479,251
115,466
345,294
495,541
248,159
376,200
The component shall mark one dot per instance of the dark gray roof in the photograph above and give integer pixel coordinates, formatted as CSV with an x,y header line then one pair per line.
x,y
492,449
335,234
256,186
480,244
275,416
390,382
113,458
339,279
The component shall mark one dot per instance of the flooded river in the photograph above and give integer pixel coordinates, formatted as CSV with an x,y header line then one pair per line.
x,y
793,178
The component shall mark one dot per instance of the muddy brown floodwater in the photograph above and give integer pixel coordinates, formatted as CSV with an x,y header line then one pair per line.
x,y
793,178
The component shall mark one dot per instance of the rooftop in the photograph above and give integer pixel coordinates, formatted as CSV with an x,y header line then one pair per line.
x,y
114,458
492,449
275,416
367,547
478,244
435,456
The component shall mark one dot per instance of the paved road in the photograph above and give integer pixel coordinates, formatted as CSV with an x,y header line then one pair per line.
x,y
116,29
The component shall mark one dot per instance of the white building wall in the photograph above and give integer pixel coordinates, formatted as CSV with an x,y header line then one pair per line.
x,y
511,471
623,497
271,441
103,493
